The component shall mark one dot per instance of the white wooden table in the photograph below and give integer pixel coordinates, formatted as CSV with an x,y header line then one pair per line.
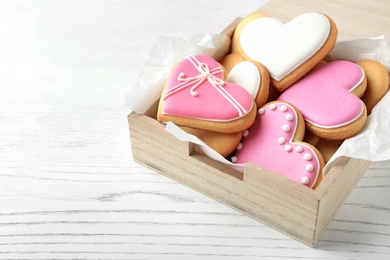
x,y
68,186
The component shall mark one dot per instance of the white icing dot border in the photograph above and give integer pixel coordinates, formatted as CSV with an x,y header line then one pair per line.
x,y
307,156
286,128
281,141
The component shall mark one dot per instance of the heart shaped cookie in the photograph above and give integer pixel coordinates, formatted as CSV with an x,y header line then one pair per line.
x,y
378,82
251,75
274,142
197,96
327,99
288,50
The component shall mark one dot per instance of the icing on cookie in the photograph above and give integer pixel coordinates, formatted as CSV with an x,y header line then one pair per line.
x,y
324,95
247,75
196,89
271,144
283,47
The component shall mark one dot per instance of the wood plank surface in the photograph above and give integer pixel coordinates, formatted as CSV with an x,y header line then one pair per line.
x,y
69,188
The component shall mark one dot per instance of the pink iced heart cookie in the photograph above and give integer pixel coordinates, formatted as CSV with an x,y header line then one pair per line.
x,y
288,50
274,142
327,98
197,96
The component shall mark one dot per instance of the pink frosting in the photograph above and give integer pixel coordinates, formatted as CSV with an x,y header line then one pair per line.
x,y
196,89
324,95
269,144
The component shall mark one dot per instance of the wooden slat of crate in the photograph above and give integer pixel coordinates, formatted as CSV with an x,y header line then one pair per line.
x,y
291,208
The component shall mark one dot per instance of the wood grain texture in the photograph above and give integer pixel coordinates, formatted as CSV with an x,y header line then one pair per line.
x,y
69,188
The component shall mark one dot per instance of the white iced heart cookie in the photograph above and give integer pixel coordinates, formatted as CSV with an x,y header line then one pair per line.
x,y
251,75
247,76
288,51
295,41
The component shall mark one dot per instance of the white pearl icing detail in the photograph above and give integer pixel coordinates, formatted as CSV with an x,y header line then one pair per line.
x,y
234,159
309,167
305,180
272,106
281,140
288,148
283,108
286,128
245,133
299,149
289,117
307,156
261,111
239,147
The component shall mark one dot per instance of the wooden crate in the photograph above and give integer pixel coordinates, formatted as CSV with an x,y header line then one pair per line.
x,y
289,207
284,205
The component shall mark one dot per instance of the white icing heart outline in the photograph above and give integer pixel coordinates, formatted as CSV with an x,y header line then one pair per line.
x,y
331,73
282,47
247,75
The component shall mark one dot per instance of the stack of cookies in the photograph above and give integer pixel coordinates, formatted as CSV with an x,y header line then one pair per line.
x,y
275,100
